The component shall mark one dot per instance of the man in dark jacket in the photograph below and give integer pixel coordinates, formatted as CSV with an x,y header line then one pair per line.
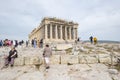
x,y
91,39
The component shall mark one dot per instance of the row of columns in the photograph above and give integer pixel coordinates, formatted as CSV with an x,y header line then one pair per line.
x,y
61,32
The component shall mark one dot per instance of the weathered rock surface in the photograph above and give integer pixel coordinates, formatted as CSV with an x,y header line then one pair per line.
x,y
55,59
60,72
72,59
82,62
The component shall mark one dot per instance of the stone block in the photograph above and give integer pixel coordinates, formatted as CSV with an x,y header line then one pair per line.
x,y
64,59
27,60
55,59
88,59
34,60
63,46
72,59
2,61
82,59
104,58
113,71
20,61
114,60
91,59
75,53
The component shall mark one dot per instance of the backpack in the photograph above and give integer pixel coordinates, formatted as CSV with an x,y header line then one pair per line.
x,y
16,55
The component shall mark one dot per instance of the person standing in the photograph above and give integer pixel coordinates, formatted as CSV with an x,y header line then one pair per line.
x,y
91,39
41,43
1,43
26,43
32,42
35,43
95,40
47,54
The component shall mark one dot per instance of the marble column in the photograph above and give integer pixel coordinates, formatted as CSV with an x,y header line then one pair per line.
x,y
61,33
73,33
56,32
70,33
76,33
46,35
51,31
66,33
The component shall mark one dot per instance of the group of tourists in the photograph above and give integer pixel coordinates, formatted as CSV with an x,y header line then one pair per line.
x,y
8,43
13,53
93,40
36,43
9,60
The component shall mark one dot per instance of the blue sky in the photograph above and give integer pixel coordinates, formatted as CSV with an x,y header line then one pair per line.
x,y
100,18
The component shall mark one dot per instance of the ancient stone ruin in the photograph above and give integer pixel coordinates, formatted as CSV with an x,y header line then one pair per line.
x,y
55,30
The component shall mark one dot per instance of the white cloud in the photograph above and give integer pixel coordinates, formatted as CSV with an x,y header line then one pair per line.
x,y
96,17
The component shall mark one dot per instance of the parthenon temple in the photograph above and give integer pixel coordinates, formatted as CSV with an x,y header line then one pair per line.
x,y
55,30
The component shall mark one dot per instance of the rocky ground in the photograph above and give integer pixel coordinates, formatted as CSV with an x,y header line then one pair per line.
x,y
81,70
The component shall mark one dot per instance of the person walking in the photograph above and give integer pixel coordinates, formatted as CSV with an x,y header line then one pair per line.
x,y
47,54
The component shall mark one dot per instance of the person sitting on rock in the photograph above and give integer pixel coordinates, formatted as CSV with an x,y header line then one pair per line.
x,y
47,54
10,58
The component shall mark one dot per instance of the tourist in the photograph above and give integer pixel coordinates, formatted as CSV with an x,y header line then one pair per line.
x,y
1,43
9,41
22,42
35,43
10,58
14,43
78,39
32,42
41,43
26,43
95,40
47,54
91,39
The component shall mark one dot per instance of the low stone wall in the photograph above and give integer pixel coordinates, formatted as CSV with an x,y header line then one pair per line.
x,y
68,59
83,59
33,60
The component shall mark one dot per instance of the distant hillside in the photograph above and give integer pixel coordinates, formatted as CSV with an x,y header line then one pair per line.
x,y
104,41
